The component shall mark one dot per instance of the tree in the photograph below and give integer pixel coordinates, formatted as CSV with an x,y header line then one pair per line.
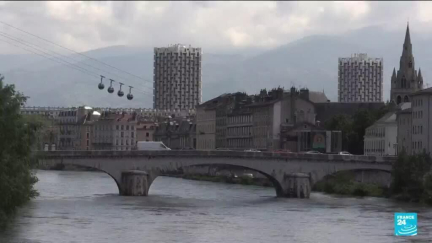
x,y
408,176
354,127
17,136
341,123
427,184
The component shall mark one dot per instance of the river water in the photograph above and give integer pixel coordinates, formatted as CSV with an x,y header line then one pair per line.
x,y
85,207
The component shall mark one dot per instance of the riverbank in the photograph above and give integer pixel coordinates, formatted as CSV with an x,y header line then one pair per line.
x,y
346,186
340,184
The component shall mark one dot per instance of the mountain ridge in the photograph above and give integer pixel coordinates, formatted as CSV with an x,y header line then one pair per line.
x,y
307,62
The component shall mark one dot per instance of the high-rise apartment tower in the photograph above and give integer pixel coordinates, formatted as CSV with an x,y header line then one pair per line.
x,y
360,79
177,77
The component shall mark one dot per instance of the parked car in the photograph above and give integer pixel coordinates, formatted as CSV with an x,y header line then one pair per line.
x,y
223,149
282,152
344,153
252,150
313,152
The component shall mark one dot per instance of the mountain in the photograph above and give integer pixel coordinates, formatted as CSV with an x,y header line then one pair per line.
x,y
308,62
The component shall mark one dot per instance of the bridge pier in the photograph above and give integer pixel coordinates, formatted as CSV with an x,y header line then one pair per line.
x,y
134,183
296,185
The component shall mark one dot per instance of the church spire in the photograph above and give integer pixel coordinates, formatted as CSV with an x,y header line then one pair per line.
x,y
393,77
419,80
407,47
407,36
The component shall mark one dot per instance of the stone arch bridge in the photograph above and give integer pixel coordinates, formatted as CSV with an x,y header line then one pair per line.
x,y
292,174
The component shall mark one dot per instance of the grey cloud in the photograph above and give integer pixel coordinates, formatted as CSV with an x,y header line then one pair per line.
x,y
125,23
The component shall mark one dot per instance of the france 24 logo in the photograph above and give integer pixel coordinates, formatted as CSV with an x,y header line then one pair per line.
x,y
405,224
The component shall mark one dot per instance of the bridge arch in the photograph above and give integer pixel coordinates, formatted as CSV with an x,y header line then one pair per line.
x,y
291,174
117,182
276,184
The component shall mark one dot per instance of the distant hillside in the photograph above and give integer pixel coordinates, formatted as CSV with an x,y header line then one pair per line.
x,y
309,62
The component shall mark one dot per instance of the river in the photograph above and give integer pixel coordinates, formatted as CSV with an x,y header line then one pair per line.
x,y
85,207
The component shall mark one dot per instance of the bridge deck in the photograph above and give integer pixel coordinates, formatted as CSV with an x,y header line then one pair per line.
x,y
214,153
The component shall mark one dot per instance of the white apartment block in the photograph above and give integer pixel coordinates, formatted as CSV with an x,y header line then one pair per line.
x,y
381,138
360,79
177,77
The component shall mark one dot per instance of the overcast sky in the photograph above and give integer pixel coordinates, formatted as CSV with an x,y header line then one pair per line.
x,y
212,25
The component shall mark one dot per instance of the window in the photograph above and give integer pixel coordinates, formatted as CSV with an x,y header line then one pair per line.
x,y
122,127
88,135
121,142
132,134
87,142
147,134
127,127
121,134
117,127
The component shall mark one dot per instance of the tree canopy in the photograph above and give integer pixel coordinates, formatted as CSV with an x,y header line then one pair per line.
x,y
354,127
16,137
412,177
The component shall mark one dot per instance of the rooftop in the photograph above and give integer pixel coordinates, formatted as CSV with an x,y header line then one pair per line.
x,y
423,91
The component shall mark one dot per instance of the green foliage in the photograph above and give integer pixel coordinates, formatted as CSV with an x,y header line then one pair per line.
x,y
427,185
16,138
342,183
353,127
41,122
409,176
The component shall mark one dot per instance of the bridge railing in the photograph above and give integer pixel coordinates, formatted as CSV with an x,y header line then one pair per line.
x,y
212,153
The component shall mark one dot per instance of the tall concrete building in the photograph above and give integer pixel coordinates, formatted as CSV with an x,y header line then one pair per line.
x,y
360,79
177,77
406,81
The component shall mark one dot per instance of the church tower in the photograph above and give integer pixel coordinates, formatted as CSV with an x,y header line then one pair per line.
x,y
406,80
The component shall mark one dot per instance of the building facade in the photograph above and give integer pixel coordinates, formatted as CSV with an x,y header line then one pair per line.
x,y
177,134
421,104
406,80
205,128
103,131
381,138
177,77
145,131
114,131
404,132
239,130
76,128
124,137
305,136
360,79
238,121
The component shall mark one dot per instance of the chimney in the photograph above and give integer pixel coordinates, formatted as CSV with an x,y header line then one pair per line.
x,y
304,93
